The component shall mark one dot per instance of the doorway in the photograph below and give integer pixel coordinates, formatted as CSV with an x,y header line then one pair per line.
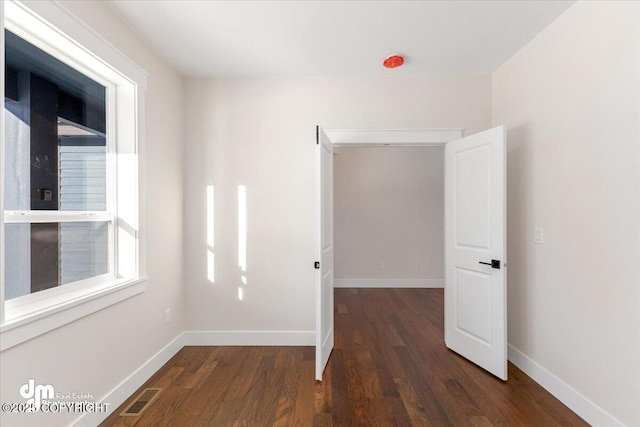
x,y
475,242
389,217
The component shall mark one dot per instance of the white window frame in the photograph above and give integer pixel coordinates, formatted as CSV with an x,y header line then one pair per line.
x,y
52,28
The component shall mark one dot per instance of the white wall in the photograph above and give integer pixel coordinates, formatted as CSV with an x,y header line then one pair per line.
x,y
389,207
571,103
96,353
261,133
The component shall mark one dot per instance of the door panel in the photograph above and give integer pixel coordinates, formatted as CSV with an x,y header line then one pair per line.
x,y
324,282
475,234
473,304
472,205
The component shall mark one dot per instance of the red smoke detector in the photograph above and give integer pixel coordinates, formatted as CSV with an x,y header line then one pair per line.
x,y
393,61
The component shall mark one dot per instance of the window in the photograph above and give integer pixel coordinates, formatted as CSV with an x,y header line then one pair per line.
x,y
70,232
58,211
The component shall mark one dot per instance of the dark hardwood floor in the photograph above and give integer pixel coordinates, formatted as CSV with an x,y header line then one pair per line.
x,y
389,367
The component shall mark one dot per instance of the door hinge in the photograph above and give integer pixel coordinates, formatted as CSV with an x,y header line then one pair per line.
x,y
316,265
317,134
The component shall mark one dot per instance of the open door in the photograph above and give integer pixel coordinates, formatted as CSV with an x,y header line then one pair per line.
x,y
475,249
324,279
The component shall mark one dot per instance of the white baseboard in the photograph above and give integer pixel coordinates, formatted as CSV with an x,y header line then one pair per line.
x,y
251,338
586,409
127,387
388,283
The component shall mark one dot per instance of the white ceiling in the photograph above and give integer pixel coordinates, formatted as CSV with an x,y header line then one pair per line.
x,y
270,38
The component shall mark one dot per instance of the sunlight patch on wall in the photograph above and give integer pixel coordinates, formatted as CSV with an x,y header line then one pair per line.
x,y
242,238
211,266
242,227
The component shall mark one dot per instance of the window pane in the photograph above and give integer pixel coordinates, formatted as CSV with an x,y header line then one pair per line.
x,y
83,250
55,145
83,178
16,161
44,256
17,260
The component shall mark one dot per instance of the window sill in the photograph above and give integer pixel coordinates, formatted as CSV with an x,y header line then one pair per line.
x,y
31,321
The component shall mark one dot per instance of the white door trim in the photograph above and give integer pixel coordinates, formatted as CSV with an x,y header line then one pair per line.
x,y
392,137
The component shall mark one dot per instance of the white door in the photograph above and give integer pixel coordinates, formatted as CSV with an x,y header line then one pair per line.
x,y
324,280
475,249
